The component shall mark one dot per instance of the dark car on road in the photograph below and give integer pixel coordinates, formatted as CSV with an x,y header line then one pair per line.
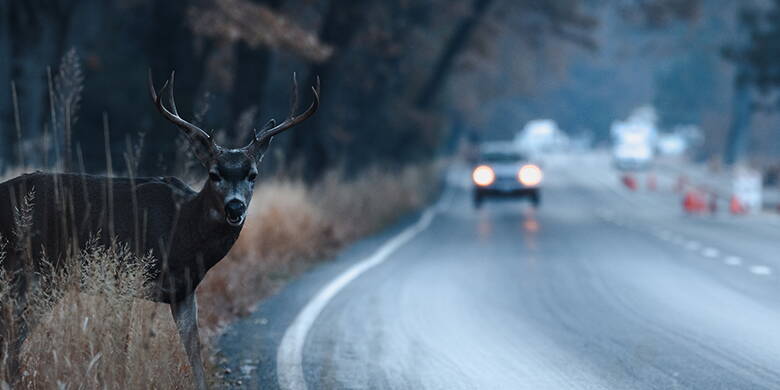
x,y
502,171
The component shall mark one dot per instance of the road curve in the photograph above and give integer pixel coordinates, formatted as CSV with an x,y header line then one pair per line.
x,y
599,289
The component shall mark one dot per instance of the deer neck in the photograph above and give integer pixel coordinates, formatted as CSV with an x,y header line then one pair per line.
x,y
209,232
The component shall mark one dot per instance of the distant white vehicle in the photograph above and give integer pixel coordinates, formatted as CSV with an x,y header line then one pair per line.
x,y
541,136
747,189
634,140
672,144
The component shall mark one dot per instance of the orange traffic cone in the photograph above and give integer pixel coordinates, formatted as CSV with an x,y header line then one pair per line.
x,y
693,202
735,206
629,182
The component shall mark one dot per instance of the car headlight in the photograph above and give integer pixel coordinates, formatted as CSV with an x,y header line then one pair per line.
x,y
529,175
483,175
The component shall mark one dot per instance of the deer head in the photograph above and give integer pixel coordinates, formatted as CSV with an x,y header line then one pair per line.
x,y
232,172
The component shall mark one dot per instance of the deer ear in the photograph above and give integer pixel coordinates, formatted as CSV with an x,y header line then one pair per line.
x,y
203,148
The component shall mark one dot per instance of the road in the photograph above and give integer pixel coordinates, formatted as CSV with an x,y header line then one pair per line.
x,y
598,289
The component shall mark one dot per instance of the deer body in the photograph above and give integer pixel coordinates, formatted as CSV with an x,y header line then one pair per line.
x,y
182,255
187,232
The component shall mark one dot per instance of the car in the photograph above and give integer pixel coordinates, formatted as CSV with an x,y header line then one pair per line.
x,y
503,171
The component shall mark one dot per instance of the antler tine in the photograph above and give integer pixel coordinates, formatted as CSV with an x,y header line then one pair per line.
x,y
151,87
263,137
293,120
170,97
189,128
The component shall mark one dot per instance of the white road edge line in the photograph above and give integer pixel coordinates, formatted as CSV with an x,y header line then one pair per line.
x,y
733,260
692,245
710,252
289,356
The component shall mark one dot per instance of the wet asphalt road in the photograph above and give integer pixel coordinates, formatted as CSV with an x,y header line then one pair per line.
x,y
598,289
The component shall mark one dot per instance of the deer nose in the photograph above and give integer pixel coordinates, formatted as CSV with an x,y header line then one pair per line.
x,y
234,210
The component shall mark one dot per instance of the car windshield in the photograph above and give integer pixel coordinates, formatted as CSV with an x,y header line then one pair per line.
x,y
501,157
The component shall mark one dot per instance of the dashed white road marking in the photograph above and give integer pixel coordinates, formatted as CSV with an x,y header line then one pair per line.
x,y
732,260
760,270
692,245
710,252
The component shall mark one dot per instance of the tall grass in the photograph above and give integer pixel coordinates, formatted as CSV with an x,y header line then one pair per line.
x,y
94,330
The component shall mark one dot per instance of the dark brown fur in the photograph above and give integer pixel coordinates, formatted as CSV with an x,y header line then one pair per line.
x,y
167,219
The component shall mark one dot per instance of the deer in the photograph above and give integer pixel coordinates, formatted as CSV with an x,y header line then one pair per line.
x,y
186,231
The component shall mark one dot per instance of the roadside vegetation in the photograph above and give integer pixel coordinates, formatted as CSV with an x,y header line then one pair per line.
x,y
92,333
95,332
90,325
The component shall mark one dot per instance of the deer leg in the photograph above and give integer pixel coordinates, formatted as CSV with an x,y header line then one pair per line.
x,y
185,313
9,356
14,328
15,351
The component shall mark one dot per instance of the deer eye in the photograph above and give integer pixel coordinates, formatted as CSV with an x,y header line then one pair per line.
x,y
252,176
213,176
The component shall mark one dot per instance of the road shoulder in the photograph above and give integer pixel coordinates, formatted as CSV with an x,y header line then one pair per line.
x,y
248,347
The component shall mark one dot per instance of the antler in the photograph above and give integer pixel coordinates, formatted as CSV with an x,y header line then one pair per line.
x,y
263,137
205,147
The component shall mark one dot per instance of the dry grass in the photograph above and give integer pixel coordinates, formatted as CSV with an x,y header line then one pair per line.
x,y
89,341
290,225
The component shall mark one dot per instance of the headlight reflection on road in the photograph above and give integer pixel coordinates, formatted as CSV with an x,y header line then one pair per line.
x,y
531,226
484,227
530,223
530,230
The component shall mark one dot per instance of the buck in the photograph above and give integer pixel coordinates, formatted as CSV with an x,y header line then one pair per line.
x,y
187,232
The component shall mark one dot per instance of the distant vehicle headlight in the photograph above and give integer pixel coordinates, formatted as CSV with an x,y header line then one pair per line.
x,y
530,175
483,175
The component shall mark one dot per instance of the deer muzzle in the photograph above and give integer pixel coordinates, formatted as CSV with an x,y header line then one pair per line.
x,y
235,212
